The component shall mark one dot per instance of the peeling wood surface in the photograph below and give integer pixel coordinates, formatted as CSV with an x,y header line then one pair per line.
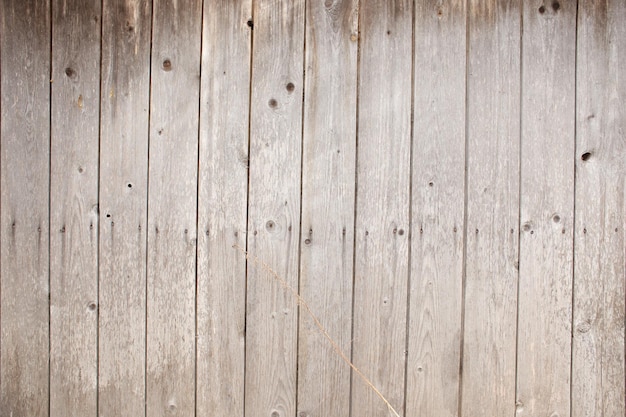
x,y
442,181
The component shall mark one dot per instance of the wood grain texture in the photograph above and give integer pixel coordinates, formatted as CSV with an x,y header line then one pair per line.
x,y
382,209
437,209
75,129
598,336
223,207
274,206
24,226
172,202
546,209
126,27
493,129
328,192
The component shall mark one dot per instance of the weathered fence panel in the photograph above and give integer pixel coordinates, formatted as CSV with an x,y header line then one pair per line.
x,y
442,182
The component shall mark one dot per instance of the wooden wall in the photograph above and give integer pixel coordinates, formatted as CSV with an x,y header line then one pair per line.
x,y
442,181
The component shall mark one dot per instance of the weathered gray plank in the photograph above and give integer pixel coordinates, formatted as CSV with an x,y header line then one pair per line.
x,y
123,203
546,209
328,192
24,257
437,209
223,207
598,344
493,124
382,210
75,104
274,206
172,200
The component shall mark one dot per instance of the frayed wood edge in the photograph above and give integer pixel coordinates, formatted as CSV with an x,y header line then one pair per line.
x,y
303,304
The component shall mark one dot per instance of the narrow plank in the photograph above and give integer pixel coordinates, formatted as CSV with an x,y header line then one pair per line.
x,y
382,209
125,95
172,203
274,206
493,129
546,209
75,104
24,227
328,192
437,209
598,345
225,95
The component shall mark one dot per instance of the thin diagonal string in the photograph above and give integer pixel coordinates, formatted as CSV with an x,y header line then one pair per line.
x,y
321,328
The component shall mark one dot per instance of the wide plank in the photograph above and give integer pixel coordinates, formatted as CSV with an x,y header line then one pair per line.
x,y
546,209
223,164
75,118
382,207
24,199
598,370
328,192
274,206
491,253
438,207
172,206
126,28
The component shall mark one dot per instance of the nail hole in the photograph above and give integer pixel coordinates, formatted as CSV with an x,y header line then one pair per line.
x,y
290,87
129,185
556,6
167,65
542,9
70,72
250,23
80,170
92,306
108,216
585,156
430,184
556,218
307,241
401,232
272,103
269,225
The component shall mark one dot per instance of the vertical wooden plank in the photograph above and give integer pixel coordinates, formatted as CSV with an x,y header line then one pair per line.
x,y
123,203
223,177
598,351
493,123
75,116
437,209
274,206
328,192
546,208
24,258
382,212
172,204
